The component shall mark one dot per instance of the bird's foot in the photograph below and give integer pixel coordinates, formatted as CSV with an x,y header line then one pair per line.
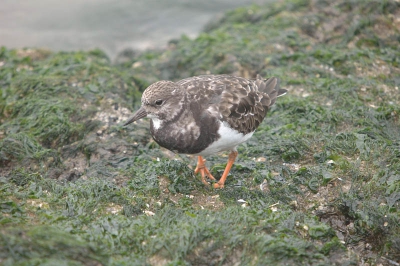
x,y
201,167
218,185
231,160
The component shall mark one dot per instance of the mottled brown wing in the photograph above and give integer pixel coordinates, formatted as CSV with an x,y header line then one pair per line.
x,y
240,102
205,92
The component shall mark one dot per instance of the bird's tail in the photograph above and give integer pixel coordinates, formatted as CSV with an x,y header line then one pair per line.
x,y
271,87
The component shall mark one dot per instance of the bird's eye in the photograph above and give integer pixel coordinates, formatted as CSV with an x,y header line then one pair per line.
x,y
158,102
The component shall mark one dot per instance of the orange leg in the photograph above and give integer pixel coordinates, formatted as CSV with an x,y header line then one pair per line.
x,y
231,160
201,167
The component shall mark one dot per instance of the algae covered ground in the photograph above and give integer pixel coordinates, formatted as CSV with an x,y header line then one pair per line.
x,y
317,184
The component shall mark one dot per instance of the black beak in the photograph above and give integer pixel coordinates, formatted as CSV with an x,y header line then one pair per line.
x,y
136,116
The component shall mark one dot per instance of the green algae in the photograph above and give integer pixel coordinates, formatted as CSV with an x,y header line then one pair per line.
x,y
317,184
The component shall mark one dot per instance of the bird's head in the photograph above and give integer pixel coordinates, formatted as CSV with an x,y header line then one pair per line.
x,y
161,100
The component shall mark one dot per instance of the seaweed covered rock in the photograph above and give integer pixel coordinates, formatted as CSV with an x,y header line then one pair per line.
x,y
318,183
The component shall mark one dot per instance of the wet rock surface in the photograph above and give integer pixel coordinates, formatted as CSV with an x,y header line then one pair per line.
x,y
318,183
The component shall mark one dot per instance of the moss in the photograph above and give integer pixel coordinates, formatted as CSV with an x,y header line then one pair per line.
x,y
318,177
42,245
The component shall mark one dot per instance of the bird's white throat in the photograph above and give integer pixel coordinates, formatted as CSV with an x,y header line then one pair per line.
x,y
156,123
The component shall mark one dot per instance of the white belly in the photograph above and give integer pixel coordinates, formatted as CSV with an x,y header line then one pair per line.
x,y
227,142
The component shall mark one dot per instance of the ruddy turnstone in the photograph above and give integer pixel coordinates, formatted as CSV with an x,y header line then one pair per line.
x,y
207,114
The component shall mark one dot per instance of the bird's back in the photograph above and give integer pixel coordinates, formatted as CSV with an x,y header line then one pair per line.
x,y
242,103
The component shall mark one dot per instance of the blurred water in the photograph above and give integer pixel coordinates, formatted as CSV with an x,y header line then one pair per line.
x,y
106,24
